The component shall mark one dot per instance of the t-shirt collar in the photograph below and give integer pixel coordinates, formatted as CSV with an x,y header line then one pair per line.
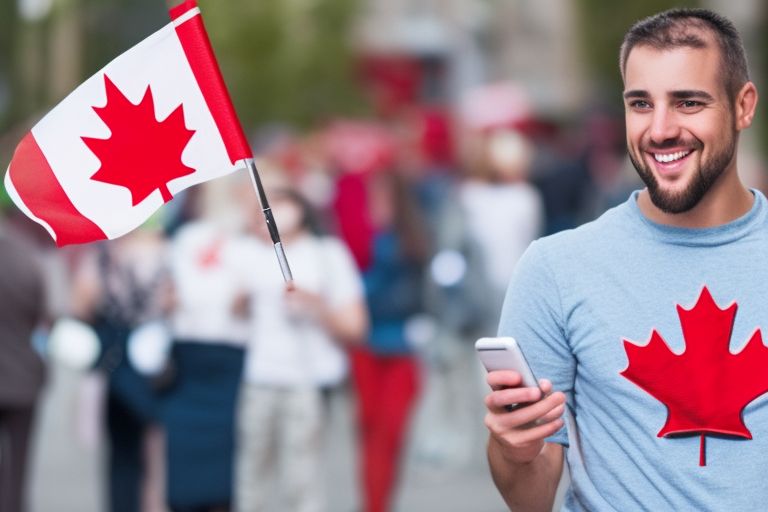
x,y
711,236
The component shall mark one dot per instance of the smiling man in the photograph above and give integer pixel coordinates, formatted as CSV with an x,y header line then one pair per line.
x,y
687,96
647,323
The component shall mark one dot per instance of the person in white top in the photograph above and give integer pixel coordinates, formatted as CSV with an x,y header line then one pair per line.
x,y
499,189
208,267
295,350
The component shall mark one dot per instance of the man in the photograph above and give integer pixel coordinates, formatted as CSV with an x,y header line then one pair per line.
x,y
633,317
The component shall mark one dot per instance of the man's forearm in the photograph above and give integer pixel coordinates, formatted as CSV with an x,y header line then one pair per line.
x,y
531,486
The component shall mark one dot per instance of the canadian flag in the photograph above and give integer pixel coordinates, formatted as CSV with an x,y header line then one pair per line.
x,y
153,122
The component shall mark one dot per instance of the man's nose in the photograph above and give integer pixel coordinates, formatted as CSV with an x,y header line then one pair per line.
x,y
664,126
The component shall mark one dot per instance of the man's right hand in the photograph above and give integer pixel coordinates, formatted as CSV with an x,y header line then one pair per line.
x,y
518,439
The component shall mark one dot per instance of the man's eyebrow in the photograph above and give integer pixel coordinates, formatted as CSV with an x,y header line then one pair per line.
x,y
688,94
636,94
685,94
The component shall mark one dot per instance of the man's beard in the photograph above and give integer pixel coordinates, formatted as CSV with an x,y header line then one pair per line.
x,y
706,176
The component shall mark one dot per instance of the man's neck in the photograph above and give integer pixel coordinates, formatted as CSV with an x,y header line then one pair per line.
x,y
726,201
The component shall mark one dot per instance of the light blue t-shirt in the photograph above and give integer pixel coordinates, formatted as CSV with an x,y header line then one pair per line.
x,y
578,295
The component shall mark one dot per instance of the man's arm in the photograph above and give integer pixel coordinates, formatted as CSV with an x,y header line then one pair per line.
x,y
525,468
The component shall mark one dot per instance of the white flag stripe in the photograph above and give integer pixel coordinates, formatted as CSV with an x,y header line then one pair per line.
x,y
158,62
186,16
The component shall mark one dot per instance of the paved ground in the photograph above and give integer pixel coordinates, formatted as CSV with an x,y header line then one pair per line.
x,y
67,470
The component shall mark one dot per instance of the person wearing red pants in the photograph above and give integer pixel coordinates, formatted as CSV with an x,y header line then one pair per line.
x,y
385,372
387,387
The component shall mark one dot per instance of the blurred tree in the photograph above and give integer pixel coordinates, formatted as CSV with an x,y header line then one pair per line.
x,y
23,54
25,61
761,43
603,24
112,27
283,60
8,23
8,26
286,61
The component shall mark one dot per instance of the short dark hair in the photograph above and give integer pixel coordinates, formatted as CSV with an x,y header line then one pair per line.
x,y
681,27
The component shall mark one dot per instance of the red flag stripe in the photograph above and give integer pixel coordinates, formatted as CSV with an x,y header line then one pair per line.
x,y
197,48
41,192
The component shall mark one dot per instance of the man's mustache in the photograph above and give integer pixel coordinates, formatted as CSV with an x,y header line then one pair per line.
x,y
673,143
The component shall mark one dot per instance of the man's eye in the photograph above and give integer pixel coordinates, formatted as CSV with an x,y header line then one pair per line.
x,y
639,104
690,104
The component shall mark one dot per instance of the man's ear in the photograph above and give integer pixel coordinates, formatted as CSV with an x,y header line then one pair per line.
x,y
746,103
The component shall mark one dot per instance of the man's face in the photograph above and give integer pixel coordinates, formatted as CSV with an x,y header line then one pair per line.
x,y
681,134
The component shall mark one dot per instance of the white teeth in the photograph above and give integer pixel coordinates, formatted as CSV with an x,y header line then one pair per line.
x,y
671,157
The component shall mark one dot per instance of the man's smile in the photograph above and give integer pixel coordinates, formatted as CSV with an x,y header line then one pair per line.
x,y
671,157
669,162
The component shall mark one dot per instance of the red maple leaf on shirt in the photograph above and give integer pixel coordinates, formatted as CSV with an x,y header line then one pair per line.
x,y
142,154
706,388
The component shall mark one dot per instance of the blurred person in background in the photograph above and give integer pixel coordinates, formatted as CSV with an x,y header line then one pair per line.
x,y
425,154
455,293
209,327
560,171
504,212
118,286
295,354
386,372
302,162
22,371
605,156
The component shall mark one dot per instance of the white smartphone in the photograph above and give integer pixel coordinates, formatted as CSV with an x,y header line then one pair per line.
x,y
503,353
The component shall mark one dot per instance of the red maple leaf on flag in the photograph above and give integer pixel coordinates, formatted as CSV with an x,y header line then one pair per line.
x,y
142,154
706,388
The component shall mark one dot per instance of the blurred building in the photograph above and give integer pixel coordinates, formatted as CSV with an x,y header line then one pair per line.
x,y
475,42
750,17
533,42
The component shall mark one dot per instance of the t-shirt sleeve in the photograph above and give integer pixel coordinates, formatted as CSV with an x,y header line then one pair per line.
x,y
532,314
344,284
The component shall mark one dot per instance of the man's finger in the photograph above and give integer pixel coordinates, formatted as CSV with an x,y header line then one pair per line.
x,y
553,414
533,412
537,433
516,396
500,379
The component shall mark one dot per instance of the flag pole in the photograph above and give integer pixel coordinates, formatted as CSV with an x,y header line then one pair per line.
x,y
242,149
270,219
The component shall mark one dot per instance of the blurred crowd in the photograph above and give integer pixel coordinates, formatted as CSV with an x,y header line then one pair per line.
x,y
214,376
